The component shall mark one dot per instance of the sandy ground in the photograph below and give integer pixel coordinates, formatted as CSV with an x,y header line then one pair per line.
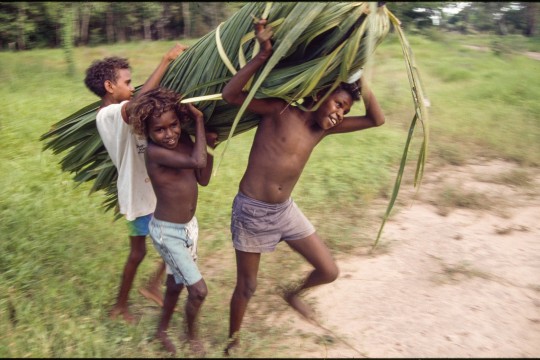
x,y
452,282
530,54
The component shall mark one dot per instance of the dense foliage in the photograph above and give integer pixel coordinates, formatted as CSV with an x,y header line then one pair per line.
x,y
27,25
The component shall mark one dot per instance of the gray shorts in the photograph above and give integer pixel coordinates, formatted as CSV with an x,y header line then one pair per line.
x,y
258,227
177,245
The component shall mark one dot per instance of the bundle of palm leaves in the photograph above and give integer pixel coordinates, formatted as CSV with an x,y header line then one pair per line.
x,y
316,46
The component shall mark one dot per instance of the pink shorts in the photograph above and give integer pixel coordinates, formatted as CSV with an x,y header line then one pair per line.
x,y
258,227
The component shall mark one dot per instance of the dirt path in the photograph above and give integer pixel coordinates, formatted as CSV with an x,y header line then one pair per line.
x,y
530,54
452,282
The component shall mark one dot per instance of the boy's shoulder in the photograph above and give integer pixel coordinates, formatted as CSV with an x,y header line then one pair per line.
x,y
111,110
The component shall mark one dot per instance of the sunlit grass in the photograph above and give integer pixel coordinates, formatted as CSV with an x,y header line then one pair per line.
x,y
61,257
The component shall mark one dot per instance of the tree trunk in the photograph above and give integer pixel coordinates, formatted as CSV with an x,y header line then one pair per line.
x,y
59,34
186,16
530,30
85,23
67,38
501,26
110,24
160,30
214,12
160,24
76,24
147,30
21,20
121,32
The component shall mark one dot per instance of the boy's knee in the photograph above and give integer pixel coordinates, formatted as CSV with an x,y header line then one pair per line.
x,y
136,256
247,289
198,291
331,274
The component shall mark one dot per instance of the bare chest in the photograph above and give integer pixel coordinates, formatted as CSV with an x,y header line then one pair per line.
x,y
292,136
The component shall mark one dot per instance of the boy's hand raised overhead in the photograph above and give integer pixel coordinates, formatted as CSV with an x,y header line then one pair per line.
x,y
264,34
193,112
174,52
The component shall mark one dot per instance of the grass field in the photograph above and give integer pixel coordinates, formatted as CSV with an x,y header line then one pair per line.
x,y
61,256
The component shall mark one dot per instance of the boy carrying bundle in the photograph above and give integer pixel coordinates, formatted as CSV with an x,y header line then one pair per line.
x,y
263,212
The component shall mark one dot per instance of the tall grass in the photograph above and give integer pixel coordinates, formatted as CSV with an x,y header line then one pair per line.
x,y
61,257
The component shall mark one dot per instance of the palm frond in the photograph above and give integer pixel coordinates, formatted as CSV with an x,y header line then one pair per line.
x,y
420,114
313,49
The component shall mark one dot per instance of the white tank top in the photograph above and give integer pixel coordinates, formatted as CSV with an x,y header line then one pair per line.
x,y
126,149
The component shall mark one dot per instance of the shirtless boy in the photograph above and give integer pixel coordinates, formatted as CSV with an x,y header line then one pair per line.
x,y
263,212
176,166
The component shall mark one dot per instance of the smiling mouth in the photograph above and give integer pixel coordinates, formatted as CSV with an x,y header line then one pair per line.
x,y
333,121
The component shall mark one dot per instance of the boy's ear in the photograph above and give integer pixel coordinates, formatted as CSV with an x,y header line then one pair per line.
x,y
108,86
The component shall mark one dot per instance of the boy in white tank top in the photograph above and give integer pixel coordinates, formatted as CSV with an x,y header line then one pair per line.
x,y
110,79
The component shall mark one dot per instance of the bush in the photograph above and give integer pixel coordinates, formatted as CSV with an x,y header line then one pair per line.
x,y
500,48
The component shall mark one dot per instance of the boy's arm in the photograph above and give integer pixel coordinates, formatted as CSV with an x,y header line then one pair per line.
x,y
204,174
195,160
199,149
156,76
154,79
374,115
233,92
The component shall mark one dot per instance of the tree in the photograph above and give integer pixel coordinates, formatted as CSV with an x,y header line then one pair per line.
x,y
497,17
532,9
148,14
23,26
50,27
85,10
162,21
8,16
68,34
186,15
417,14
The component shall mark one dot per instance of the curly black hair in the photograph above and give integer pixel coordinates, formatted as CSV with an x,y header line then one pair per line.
x,y
103,70
351,88
151,105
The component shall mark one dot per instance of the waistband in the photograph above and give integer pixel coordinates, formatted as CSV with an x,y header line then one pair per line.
x,y
265,205
163,223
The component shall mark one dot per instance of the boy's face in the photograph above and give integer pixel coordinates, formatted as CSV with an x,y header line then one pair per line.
x,y
165,131
333,109
122,89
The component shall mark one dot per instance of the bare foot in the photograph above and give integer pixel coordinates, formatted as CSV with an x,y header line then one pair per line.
x,y
152,294
119,311
166,342
197,347
301,307
233,344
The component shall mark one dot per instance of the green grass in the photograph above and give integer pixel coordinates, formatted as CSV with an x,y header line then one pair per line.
x,y
455,197
516,177
61,257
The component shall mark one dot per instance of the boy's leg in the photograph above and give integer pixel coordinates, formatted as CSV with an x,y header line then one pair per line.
x,y
196,295
172,293
315,251
136,255
152,289
247,268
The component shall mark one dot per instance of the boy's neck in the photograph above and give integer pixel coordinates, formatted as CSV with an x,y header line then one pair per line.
x,y
108,100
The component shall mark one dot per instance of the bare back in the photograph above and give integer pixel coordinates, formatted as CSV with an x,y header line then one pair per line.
x,y
176,189
283,143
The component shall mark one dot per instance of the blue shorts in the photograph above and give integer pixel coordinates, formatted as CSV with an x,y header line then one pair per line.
x,y
177,245
139,226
